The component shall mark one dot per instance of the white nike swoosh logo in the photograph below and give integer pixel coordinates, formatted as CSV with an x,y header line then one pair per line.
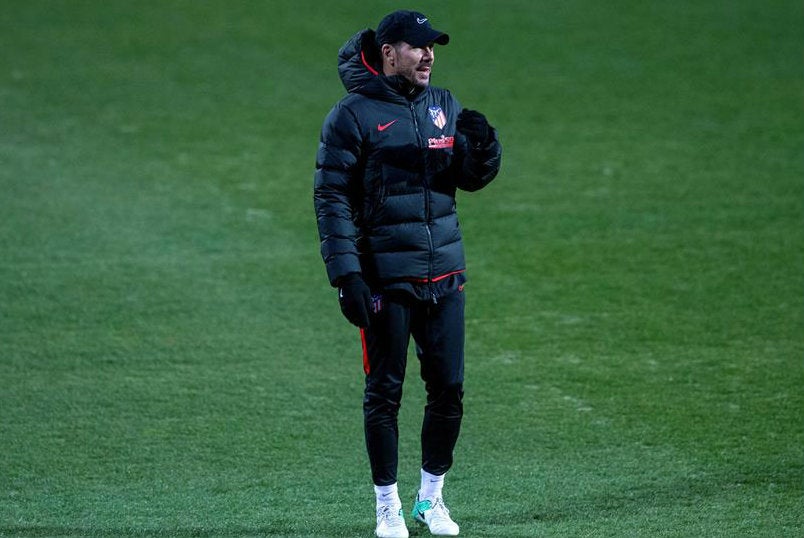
x,y
421,21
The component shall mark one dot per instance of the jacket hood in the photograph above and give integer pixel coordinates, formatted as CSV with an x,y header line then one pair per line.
x,y
359,60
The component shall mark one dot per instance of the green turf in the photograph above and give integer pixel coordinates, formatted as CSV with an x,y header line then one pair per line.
x,y
173,362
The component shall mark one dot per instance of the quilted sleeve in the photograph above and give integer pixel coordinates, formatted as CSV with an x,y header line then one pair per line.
x,y
334,192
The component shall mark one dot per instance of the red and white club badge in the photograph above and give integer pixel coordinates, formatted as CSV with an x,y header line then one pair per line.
x,y
438,117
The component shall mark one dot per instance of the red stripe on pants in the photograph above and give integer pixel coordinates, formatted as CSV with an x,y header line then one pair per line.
x,y
366,367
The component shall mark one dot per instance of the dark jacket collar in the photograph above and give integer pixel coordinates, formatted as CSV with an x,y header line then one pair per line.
x,y
395,88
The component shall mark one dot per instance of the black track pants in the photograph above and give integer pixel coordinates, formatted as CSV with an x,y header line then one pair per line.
x,y
438,331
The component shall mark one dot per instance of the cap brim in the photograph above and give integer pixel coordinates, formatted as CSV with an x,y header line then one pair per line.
x,y
442,38
431,36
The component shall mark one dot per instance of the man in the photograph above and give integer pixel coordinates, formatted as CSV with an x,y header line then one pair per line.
x,y
391,156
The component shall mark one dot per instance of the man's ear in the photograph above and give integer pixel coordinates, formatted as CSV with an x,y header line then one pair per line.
x,y
388,54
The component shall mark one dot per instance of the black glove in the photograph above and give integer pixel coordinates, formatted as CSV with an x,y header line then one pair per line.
x,y
354,297
474,126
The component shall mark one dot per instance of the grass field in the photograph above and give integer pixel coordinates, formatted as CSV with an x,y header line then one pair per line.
x,y
174,363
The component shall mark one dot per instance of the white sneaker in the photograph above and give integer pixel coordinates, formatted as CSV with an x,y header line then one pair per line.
x,y
435,515
390,522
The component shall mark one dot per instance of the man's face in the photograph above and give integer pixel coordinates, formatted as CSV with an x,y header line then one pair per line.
x,y
414,63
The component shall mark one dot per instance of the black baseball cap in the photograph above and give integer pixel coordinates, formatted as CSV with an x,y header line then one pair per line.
x,y
411,27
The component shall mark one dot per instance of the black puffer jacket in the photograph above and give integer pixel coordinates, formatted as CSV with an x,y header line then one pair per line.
x,y
388,166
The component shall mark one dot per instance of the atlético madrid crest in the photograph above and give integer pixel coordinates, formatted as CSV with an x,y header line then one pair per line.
x,y
438,117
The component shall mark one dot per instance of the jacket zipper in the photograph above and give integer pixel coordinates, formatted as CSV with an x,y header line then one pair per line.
x,y
430,245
